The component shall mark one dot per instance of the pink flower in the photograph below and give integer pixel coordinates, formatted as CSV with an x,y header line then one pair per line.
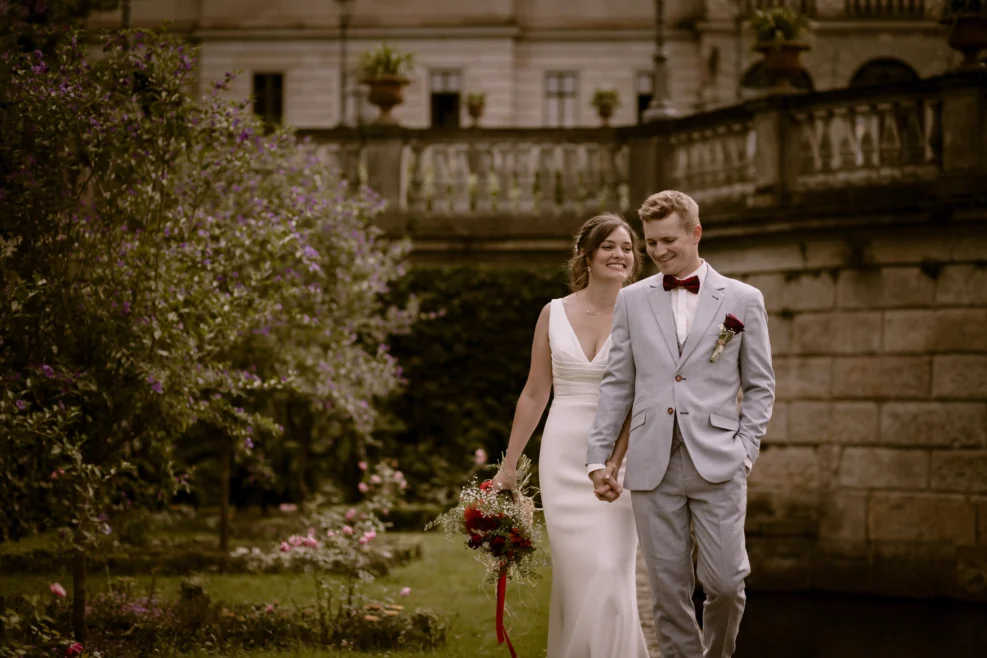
x,y
480,457
362,465
56,473
363,540
296,540
58,590
398,476
385,512
269,608
330,533
285,547
311,532
404,484
375,479
347,530
74,649
363,487
288,507
351,514
370,534
405,591
311,542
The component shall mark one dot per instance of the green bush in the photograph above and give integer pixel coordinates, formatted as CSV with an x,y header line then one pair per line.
x,y
465,369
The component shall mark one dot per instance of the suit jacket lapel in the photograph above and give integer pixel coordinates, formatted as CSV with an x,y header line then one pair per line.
x,y
710,299
661,306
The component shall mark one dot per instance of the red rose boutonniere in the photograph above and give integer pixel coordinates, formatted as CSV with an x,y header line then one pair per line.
x,y
731,327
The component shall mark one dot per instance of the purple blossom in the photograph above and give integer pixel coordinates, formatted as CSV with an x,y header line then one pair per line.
x,y
21,404
47,371
248,444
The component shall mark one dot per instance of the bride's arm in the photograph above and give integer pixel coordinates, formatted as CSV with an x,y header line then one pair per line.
x,y
531,404
620,447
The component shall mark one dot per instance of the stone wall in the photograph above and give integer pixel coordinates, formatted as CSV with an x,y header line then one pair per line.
x,y
873,475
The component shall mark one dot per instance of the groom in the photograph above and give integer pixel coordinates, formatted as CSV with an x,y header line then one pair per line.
x,y
691,447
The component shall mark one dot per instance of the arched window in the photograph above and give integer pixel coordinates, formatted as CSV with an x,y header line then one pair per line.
x,y
756,79
883,71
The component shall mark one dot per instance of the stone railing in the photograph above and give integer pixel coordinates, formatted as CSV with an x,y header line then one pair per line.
x,y
482,172
806,7
765,157
887,9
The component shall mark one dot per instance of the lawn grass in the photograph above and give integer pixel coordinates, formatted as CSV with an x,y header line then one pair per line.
x,y
447,580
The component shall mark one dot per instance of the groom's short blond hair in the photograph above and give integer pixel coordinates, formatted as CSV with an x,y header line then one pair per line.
x,y
666,202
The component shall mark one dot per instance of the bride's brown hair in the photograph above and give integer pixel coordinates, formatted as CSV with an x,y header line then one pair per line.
x,y
589,238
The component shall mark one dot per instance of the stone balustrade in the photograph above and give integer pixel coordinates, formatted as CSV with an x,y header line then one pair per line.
x,y
778,158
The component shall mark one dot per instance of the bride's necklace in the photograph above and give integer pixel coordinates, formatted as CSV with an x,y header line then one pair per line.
x,y
588,312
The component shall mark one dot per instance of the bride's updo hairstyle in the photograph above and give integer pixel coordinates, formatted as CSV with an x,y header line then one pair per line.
x,y
589,238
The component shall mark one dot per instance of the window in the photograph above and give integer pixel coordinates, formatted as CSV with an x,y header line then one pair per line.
x,y
884,71
269,98
560,99
445,90
645,86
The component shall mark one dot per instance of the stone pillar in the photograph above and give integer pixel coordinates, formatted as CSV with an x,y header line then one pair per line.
x,y
964,135
777,151
383,159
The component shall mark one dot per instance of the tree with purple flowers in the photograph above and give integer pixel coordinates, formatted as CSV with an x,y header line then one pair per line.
x,y
165,267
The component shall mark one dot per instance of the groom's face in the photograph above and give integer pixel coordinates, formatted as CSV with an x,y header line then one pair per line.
x,y
672,245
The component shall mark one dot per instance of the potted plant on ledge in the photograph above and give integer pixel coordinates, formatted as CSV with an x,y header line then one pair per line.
x,y
605,101
475,103
778,35
967,22
385,70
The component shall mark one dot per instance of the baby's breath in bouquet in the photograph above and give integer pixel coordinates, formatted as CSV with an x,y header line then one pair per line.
x,y
500,526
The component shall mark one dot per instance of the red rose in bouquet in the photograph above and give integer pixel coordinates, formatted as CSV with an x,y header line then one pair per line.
x,y
500,527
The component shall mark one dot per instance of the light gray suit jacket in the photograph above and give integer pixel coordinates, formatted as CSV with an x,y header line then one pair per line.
x,y
646,373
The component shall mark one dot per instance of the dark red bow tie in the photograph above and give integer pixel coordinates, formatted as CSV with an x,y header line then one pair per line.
x,y
671,283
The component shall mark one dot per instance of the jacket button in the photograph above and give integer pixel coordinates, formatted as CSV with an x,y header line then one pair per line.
x,y
671,411
678,378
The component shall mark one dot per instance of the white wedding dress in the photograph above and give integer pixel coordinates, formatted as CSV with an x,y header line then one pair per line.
x,y
594,610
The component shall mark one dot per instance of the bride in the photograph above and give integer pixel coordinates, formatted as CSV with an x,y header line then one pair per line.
x,y
594,612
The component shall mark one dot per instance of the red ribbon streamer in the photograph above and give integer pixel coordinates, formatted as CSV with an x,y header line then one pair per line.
x,y
501,594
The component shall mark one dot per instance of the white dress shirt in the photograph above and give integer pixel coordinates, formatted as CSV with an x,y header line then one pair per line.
x,y
684,305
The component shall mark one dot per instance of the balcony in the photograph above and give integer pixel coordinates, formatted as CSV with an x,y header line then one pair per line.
x,y
817,161
888,9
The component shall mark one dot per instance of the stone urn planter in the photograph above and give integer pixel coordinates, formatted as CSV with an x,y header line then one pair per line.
x,y
475,104
386,92
385,70
606,101
782,64
778,33
968,35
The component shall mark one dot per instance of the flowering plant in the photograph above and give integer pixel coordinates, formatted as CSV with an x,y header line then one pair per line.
x,y
500,526
731,327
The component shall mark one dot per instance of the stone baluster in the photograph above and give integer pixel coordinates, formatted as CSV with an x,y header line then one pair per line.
x,y
569,195
416,178
481,164
460,170
525,155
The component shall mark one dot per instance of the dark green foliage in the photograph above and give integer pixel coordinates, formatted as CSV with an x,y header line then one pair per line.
x,y
465,369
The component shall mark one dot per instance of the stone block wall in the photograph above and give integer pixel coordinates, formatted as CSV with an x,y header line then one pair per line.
x,y
873,474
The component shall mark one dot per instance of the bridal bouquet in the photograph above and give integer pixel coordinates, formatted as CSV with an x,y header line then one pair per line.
x,y
501,527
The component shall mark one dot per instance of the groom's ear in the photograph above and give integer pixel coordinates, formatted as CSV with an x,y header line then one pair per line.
x,y
697,233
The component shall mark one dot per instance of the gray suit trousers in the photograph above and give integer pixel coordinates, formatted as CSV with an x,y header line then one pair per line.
x,y
717,512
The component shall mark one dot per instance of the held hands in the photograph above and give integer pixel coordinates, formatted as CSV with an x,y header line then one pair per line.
x,y
605,484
